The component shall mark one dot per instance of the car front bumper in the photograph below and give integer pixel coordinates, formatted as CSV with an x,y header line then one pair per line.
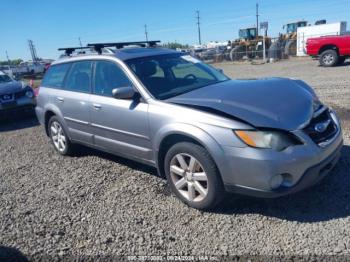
x,y
19,104
250,171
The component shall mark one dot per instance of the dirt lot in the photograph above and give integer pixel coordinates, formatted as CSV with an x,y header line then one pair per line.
x,y
98,204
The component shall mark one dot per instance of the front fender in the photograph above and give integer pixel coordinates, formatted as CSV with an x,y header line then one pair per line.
x,y
196,133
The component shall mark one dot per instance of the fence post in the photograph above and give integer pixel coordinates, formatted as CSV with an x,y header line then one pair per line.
x,y
264,47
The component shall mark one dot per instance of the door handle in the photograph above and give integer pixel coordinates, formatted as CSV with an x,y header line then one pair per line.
x,y
60,99
97,106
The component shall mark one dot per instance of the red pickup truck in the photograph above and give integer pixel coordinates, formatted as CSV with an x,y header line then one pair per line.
x,y
331,50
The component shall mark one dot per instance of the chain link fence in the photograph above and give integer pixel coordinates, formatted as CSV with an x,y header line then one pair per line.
x,y
276,50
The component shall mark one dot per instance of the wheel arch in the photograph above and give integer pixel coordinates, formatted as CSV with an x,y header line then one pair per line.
x,y
48,115
328,47
51,111
184,133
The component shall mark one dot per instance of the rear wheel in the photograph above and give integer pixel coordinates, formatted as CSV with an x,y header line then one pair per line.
x,y
193,176
59,137
329,58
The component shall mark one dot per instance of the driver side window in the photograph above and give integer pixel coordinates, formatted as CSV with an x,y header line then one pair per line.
x,y
109,76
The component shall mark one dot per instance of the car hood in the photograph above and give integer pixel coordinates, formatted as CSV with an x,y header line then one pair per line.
x,y
269,103
10,87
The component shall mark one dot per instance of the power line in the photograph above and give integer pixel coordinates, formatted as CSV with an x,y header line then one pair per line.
x,y
199,28
146,33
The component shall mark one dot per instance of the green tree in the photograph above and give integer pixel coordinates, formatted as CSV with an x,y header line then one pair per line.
x,y
13,62
174,45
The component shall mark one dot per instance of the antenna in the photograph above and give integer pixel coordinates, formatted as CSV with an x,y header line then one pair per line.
x,y
81,45
199,27
146,33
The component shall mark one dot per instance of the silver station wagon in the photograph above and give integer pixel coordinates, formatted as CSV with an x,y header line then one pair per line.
x,y
207,134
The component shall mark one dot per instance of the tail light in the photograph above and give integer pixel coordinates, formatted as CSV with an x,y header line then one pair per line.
x,y
36,91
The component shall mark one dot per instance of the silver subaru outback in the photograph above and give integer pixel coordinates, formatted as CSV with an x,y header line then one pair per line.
x,y
207,134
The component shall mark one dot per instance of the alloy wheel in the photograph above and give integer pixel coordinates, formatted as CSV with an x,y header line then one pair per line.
x,y
58,136
189,177
328,59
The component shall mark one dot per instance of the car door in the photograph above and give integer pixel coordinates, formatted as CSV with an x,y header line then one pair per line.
x,y
73,100
119,125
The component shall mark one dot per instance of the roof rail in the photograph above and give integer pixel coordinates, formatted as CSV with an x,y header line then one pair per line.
x,y
70,50
98,46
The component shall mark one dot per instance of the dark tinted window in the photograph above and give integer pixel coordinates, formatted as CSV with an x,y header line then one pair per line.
x,y
79,77
54,77
109,76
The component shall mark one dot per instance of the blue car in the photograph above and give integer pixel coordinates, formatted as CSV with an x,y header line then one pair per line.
x,y
15,95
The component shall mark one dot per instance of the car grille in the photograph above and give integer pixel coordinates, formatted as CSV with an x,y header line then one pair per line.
x,y
6,97
20,94
321,128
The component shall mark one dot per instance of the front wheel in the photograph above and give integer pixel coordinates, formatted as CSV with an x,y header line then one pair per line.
x,y
329,58
193,176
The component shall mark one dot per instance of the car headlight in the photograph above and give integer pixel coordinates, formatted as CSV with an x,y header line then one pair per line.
x,y
276,140
30,94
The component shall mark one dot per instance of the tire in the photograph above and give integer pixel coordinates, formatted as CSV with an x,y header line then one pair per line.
x,y
329,58
237,53
59,138
341,60
290,48
201,186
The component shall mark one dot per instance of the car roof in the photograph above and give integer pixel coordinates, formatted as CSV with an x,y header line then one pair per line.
x,y
130,53
122,54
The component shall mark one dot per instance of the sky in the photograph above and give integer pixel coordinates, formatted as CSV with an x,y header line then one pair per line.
x,y
60,23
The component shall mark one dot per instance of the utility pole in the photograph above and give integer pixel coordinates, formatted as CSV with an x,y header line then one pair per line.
x,y
257,20
146,33
32,51
7,56
81,45
199,28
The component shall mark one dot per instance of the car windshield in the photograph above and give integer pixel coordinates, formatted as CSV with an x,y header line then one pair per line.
x,y
5,79
170,75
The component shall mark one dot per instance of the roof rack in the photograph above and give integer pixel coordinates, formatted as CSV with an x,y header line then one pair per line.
x,y
70,50
98,46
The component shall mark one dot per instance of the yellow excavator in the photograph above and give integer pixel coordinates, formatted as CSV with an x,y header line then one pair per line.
x,y
288,41
249,45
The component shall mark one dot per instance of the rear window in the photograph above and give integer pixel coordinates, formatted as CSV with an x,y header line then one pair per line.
x,y
79,77
55,76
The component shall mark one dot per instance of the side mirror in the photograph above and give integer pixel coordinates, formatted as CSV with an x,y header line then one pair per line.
x,y
126,92
220,70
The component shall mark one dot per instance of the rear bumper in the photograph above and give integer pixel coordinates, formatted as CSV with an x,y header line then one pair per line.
x,y
312,176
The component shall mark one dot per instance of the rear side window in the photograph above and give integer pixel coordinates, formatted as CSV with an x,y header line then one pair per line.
x,y
79,77
55,76
109,76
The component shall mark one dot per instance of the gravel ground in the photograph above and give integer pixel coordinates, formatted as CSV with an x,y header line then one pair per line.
x,y
98,204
